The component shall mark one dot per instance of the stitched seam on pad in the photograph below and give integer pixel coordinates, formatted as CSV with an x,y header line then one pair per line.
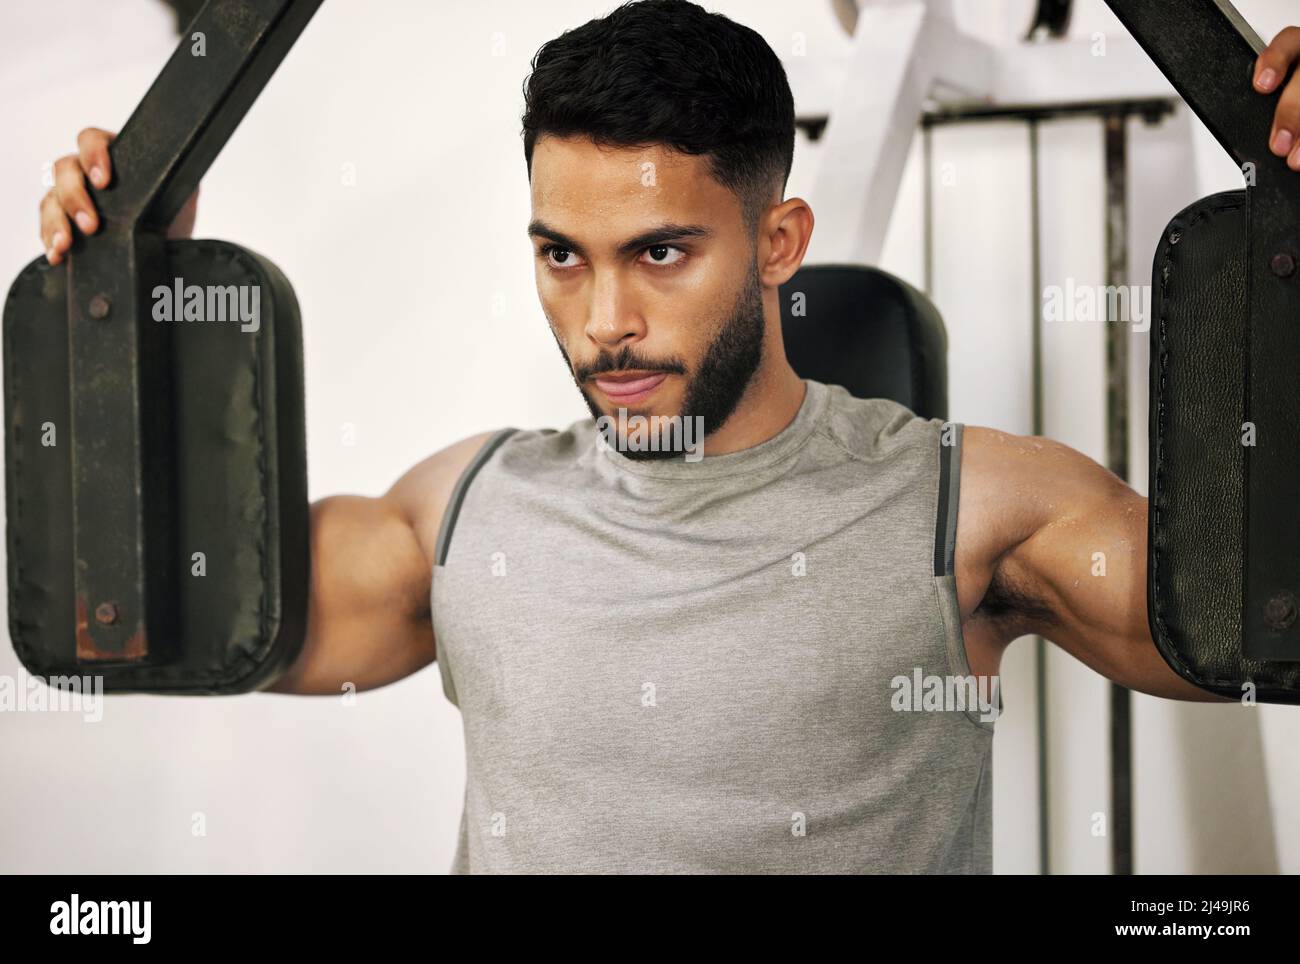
x,y
12,380
259,409
1167,265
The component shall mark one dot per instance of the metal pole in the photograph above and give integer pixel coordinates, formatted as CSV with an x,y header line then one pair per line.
x,y
1117,439
1040,646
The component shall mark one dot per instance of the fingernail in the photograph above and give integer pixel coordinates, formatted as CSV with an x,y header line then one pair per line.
x,y
83,221
97,176
57,241
1266,79
1282,142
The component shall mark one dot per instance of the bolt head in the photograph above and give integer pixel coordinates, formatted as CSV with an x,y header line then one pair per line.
x,y
1280,611
106,613
1283,265
100,305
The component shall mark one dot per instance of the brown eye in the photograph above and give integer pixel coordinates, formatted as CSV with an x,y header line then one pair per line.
x,y
558,257
663,254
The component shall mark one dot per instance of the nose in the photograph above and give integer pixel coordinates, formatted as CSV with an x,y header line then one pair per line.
x,y
613,319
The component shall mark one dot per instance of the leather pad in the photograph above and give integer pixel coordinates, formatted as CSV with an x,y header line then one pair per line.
x,y
1197,509
240,492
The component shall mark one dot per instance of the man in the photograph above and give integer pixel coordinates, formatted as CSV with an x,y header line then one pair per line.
x,y
673,663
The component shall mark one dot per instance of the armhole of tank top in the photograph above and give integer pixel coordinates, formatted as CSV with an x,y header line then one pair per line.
x,y
449,517
945,572
452,512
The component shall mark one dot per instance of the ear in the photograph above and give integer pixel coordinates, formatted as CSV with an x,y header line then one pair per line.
x,y
783,236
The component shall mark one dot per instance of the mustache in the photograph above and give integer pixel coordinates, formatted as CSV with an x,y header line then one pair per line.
x,y
627,360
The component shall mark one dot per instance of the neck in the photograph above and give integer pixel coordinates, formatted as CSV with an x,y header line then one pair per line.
x,y
769,404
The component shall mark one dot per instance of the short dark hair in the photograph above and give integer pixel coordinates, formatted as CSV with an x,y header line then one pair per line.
x,y
669,72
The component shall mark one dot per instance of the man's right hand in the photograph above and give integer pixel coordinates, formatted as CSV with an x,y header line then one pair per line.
x,y
69,201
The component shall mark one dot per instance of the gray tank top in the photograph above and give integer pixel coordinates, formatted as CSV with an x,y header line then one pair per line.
x,y
721,665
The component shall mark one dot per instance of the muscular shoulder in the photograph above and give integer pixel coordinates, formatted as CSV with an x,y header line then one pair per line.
x,y
422,493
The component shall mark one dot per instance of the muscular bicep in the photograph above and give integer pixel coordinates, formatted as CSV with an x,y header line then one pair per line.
x,y
1058,547
368,620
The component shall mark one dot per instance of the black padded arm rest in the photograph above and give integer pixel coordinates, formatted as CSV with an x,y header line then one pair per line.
x,y
1196,483
240,483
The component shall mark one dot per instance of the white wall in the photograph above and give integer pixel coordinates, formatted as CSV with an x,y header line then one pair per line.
x,y
422,326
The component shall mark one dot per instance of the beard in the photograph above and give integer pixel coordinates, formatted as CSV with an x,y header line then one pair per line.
x,y
716,387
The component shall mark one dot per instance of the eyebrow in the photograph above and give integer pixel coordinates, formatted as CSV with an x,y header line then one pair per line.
x,y
661,234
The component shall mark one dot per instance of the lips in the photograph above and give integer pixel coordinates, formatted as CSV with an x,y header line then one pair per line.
x,y
627,388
